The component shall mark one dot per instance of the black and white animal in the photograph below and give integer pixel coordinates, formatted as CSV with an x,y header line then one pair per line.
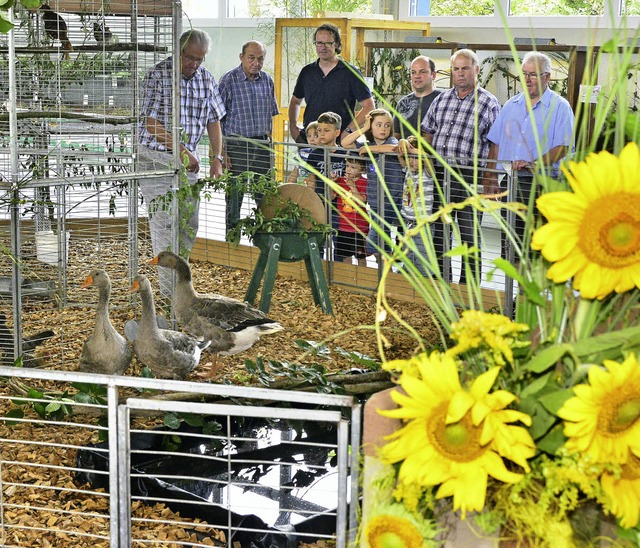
x,y
168,354
105,351
231,325
102,33
29,344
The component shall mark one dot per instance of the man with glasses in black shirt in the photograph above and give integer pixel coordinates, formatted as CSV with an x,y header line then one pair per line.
x,y
329,84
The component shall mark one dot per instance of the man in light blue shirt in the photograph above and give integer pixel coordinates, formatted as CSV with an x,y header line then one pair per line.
x,y
526,139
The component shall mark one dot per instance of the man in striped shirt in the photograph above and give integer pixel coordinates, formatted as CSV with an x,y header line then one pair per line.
x,y
249,99
201,109
456,125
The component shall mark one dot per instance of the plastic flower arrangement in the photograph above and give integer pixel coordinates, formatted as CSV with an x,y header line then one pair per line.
x,y
529,428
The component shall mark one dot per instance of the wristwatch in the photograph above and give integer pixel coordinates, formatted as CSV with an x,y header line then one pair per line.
x,y
348,129
218,157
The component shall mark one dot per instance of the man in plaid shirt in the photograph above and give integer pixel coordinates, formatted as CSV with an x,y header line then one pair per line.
x,y
450,125
201,109
250,101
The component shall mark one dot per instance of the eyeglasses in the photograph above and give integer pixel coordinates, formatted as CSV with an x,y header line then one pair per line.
x,y
192,59
533,75
325,44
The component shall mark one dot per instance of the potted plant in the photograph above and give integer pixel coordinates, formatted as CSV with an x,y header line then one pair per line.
x,y
294,213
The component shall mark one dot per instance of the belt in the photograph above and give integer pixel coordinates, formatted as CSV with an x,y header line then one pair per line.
x,y
259,137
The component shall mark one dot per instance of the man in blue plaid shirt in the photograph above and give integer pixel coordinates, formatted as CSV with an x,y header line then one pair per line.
x,y
201,109
249,99
450,125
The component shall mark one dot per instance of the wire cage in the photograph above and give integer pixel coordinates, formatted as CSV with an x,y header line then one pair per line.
x,y
68,175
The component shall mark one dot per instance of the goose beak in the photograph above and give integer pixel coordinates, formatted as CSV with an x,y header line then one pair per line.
x,y
87,282
135,286
154,260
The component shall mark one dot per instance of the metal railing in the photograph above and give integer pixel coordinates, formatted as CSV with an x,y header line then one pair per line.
x,y
237,464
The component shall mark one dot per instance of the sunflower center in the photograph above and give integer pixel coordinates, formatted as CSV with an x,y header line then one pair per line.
x,y
459,441
610,232
620,417
391,540
387,531
628,413
620,236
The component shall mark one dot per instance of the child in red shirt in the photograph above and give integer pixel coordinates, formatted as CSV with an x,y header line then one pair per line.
x,y
352,226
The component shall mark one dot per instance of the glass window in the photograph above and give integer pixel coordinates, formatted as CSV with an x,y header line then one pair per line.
x,y
200,9
631,7
557,7
256,8
451,7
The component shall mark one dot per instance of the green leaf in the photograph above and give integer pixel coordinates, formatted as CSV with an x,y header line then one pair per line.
x,y
544,359
53,407
212,427
15,413
31,4
552,441
39,408
359,358
608,345
532,291
510,270
554,401
5,24
193,420
82,397
313,347
462,251
147,373
172,421
34,394
541,422
536,386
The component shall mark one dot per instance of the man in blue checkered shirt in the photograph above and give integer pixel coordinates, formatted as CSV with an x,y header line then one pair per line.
x,y
456,125
201,109
249,99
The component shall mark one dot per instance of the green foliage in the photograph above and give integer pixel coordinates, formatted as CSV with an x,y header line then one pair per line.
x,y
462,7
391,70
173,421
309,8
270,371
288,217
558,7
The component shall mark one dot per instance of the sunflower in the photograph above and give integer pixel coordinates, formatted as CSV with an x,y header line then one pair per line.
x,y
450,435
393,526
624,492
593,233
603,418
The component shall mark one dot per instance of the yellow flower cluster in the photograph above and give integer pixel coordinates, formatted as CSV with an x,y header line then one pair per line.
x,y
477,329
